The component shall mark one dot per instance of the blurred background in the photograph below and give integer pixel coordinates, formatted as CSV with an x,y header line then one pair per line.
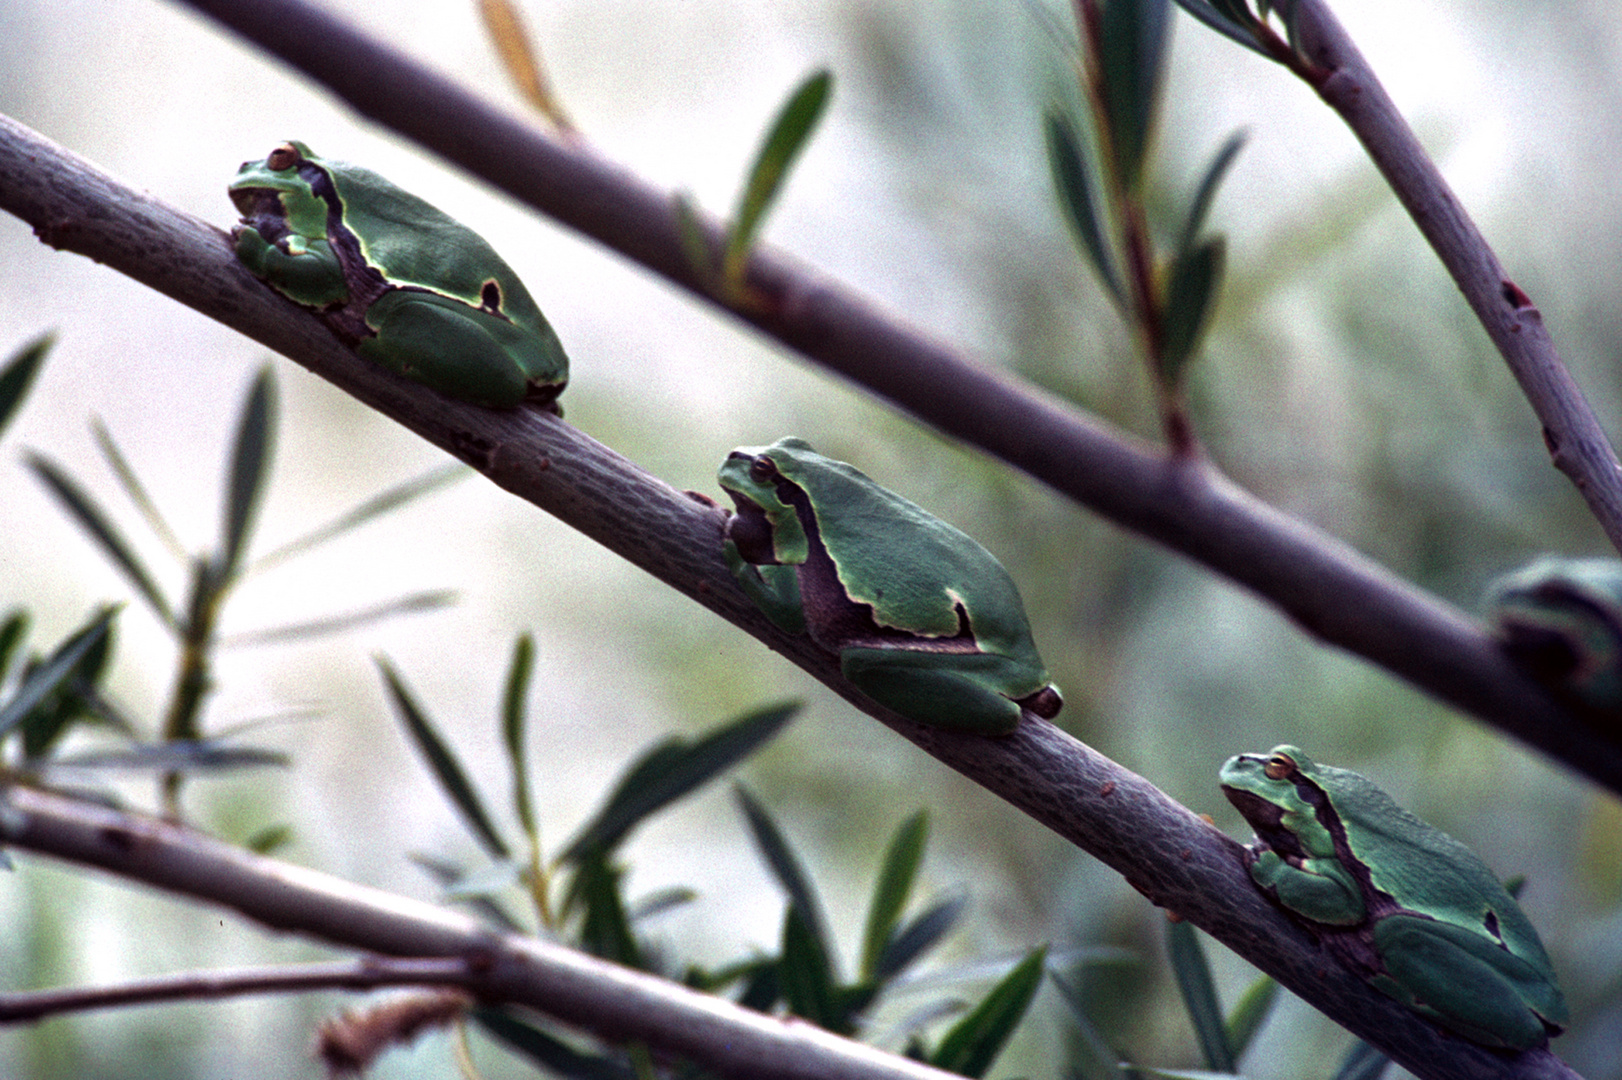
x,y
1343,380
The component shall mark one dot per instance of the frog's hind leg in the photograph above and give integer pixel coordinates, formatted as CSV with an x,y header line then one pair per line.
x,y
445,344
933,688
1459,978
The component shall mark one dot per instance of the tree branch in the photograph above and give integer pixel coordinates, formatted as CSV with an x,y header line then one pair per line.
x,y
1327,588
614,1003
369,973
1173,857
1576,441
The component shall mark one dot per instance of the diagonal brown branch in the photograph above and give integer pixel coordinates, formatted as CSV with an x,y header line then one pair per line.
x,y
1169,854
1576,441
1327,588
614,1003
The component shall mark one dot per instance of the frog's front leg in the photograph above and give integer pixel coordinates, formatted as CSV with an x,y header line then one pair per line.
x,y
775,589
307,271
1461,979
1318,889
457,349
950,690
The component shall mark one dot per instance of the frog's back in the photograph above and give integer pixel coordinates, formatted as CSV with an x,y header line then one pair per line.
x,y
1442,877
927,567
417,243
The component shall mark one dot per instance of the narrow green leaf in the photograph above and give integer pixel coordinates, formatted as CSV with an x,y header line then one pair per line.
x,y
806,975
54,676
1191,283
919,936
657,903
552,1054
12,633
442,760
711,980
764,989
1289,11
1071,181
250,467
1092,1057
415,603
605,928
487,881
91,519
378,505
890,891
1247,1017
76,699
974,1042
694,238
178,755
135,490
674,768
270,838
1133,35
18,375
785,867
1206,193
448,875
1362,1062
852,998
1237,10
1224,17
1199,993
787,137
513,716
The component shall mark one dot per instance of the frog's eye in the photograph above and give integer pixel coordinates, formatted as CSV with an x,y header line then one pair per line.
x,y
1279,766
283,157
762,470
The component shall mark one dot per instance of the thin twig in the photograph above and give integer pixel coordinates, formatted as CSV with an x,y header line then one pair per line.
x,y
1172,856
369,973
616,1004
1576,441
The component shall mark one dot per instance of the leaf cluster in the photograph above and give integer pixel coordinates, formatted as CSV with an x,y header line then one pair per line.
x,y
1099,172
579,895
63,689
1223,1037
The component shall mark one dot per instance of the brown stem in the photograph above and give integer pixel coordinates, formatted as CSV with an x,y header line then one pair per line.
x,y
30,1006
1577,443
1327,588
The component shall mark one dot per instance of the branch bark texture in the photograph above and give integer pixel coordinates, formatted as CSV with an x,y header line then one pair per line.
x,y
1173,857
1326,587
1576,441
615,1003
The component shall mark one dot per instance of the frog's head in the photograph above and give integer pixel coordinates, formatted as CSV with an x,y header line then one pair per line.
x,y
278,194
766,527
1561,621
1276,794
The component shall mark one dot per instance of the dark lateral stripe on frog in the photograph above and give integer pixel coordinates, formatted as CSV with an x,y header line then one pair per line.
x,y
854,620
364,281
